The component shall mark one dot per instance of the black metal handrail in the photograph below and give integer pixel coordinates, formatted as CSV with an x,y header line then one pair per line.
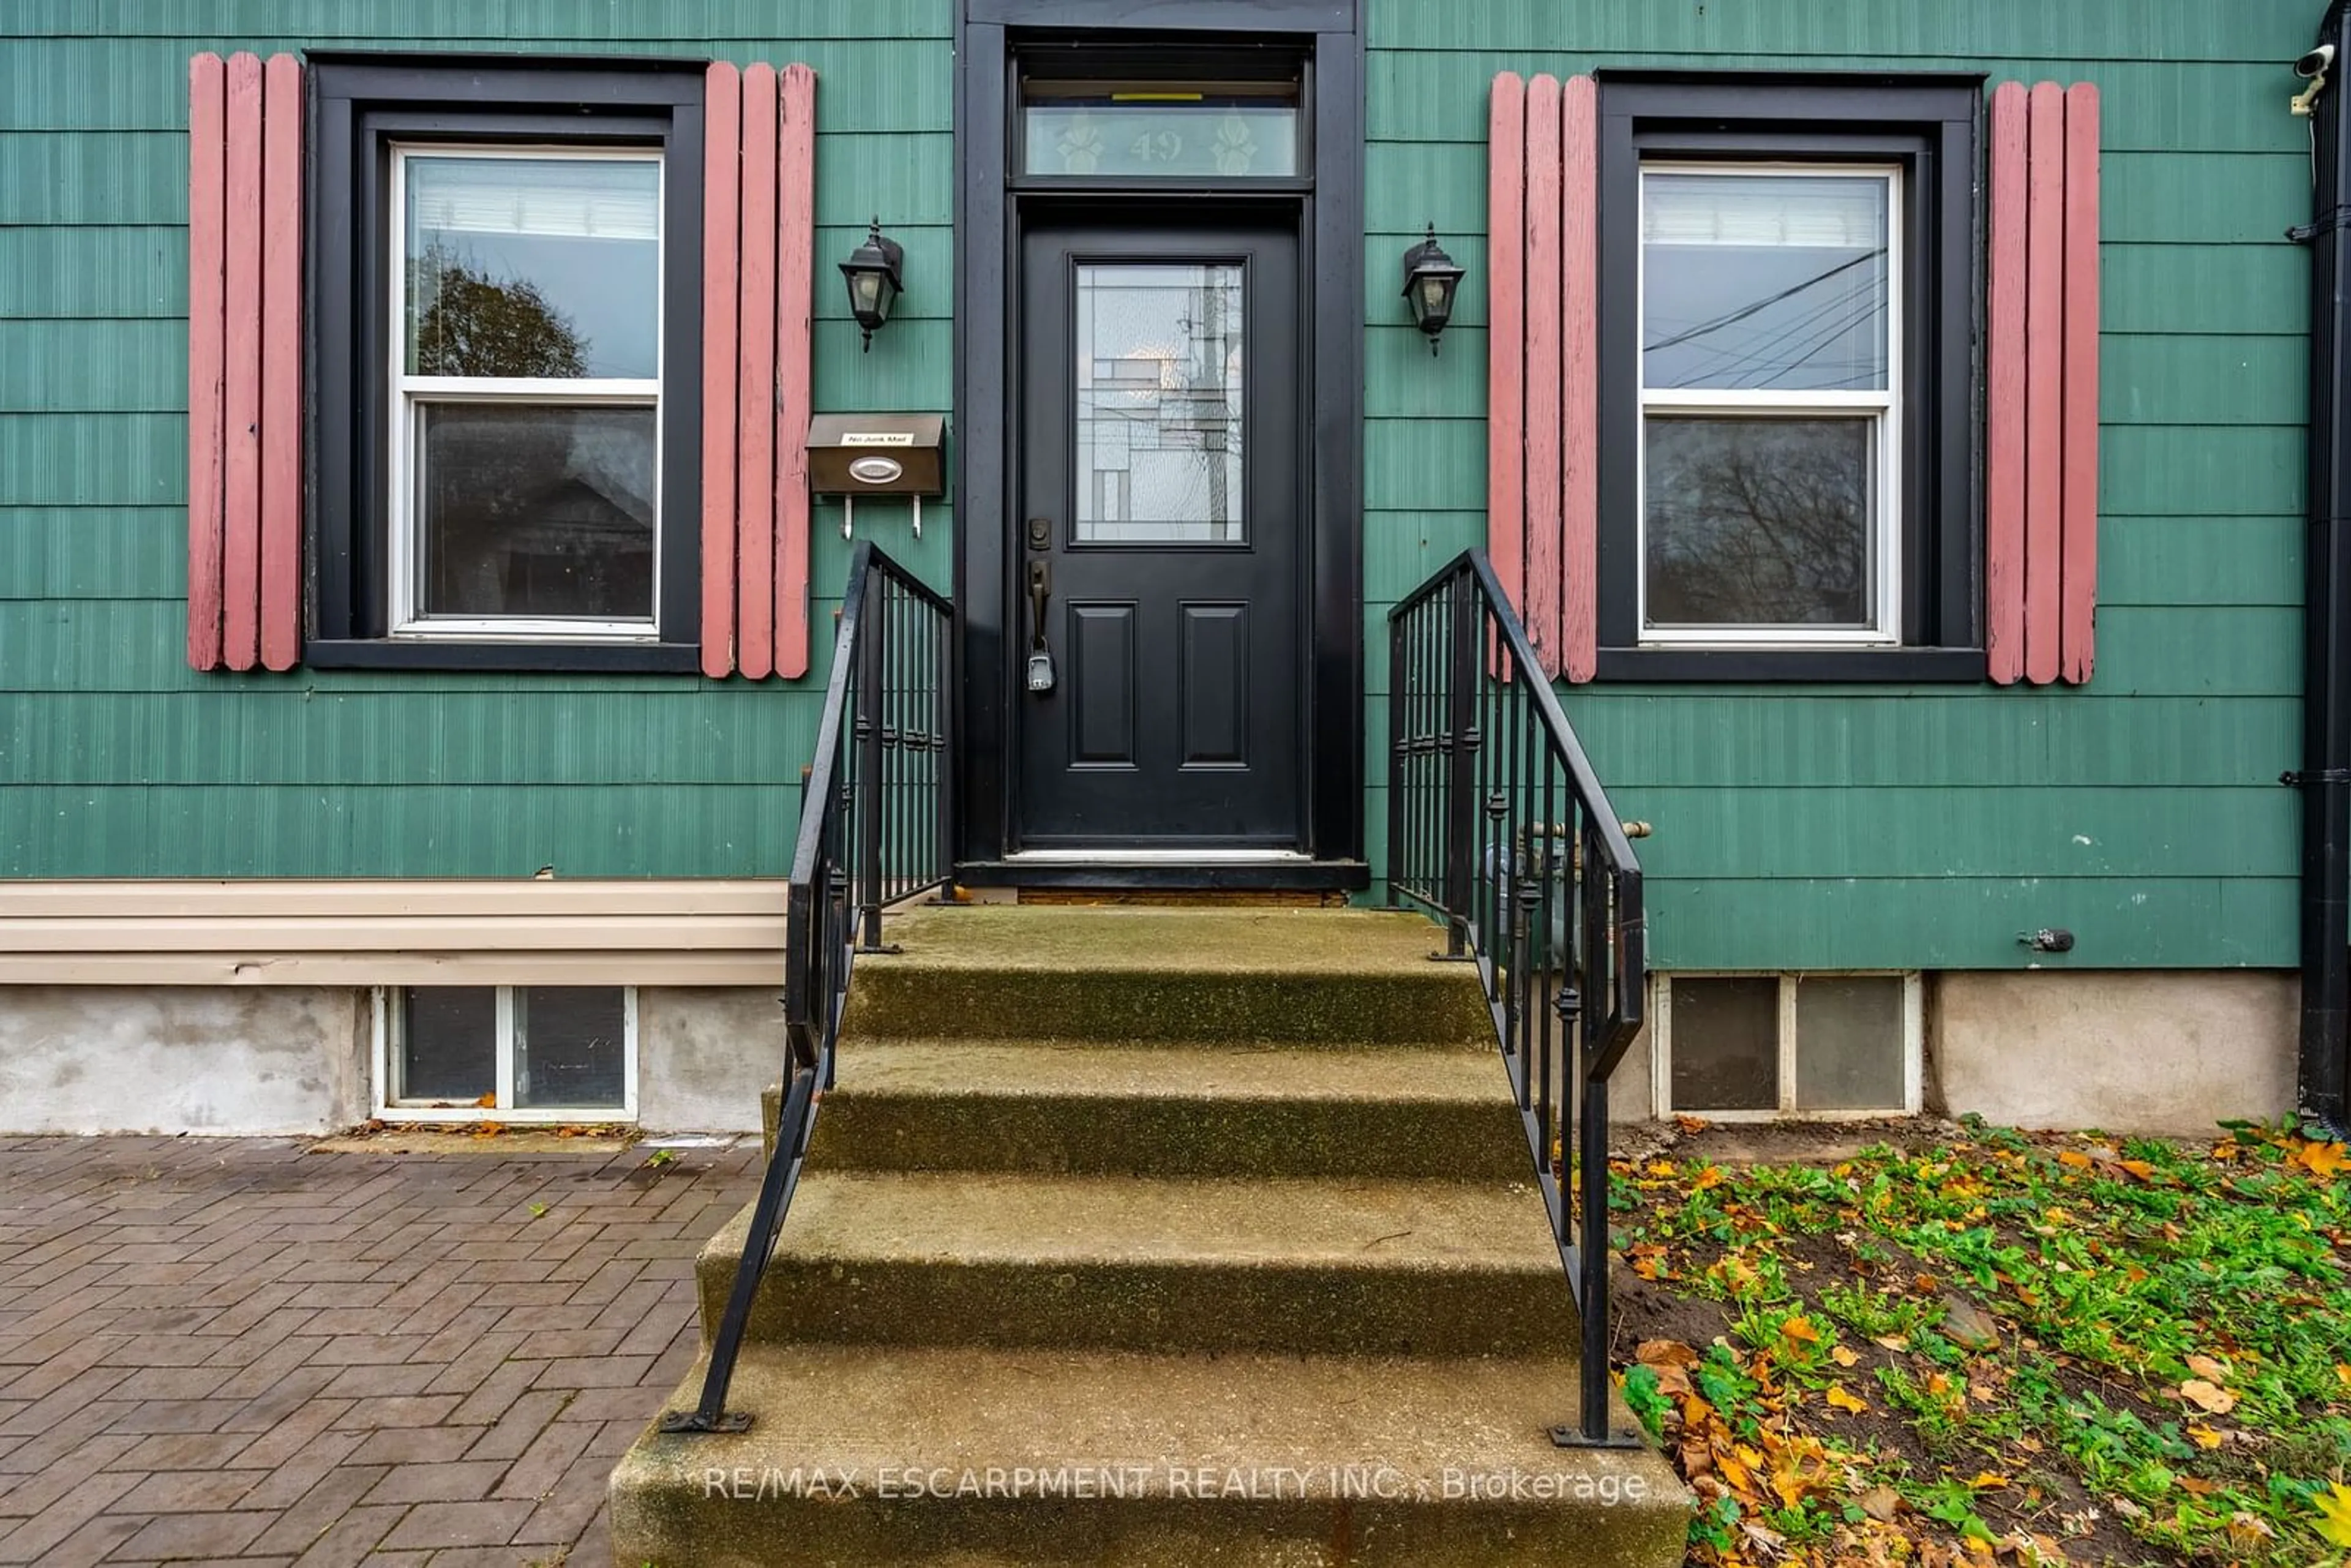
x,y
875,815
1498,825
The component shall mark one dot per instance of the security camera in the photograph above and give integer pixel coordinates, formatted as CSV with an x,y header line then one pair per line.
x,y
2315,62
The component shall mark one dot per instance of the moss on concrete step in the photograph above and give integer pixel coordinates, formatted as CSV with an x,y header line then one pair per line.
x,y
1328,977
1145,1461
977,1105
1412,1268
1217,1225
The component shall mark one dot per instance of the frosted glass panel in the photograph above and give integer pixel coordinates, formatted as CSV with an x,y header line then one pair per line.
x,y
569,1046
448,1044
1158,438
1849,1051
1156,136
1727,1043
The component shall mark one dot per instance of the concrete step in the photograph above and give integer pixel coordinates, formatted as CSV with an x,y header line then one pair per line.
x,y
1056,1457
987,1106
1124,975
965,1258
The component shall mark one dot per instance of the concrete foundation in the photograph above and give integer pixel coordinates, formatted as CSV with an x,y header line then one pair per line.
x,y
2126,1050
183,1059
703,1054
257,1060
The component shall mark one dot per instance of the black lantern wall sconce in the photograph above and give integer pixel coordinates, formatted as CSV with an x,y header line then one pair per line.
x,y
872,273
1430,281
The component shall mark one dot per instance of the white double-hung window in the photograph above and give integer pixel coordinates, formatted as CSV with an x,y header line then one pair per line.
x,y
1771,414
524,445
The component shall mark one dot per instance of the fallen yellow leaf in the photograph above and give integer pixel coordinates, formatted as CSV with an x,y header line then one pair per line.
x,y
2204,1437
1800,1328
2334,1515
2325,1161
1843,1357
1710,1176
2073,1158
2206,1397
1988,1480
1846,1401
1665,1352
2205,1366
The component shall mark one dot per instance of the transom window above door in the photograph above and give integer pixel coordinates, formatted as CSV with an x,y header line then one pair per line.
x,y
1771,344
525,442
1160,129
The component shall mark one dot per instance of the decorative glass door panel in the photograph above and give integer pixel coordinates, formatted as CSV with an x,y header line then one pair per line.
x,y
1159,424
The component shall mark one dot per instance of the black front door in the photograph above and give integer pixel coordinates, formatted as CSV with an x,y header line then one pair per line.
x,y
1158,623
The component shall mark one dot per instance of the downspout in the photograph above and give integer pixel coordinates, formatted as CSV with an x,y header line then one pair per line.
x,y
2324,778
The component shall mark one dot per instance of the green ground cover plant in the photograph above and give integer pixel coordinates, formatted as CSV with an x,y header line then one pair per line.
x,y
1979,1346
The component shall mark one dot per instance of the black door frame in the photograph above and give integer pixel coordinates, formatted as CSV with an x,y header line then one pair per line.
x,y
1325,34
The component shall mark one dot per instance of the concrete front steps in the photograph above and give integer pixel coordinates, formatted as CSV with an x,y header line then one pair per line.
x,y
1153,1238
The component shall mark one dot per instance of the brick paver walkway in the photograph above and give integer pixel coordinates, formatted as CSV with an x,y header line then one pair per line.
x,y
240,1352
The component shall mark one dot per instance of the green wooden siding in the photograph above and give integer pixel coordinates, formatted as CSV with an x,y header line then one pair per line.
x,y
1814,826
119,760
1847,825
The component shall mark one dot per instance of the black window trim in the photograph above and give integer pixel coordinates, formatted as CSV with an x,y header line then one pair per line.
x,y
1932,123
356,102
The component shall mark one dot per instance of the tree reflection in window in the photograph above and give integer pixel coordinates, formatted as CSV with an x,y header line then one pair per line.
x,y
1759,522
476,325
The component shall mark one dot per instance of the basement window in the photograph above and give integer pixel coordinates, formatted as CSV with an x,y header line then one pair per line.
x,y
1756,1047
524,1053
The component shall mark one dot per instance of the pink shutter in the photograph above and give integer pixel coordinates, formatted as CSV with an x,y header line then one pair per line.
x,y
281,364
1541,610
241,545
2041,458
755,485
1506,329
207,325
1579,636
758,278
245,325
722,153
795,352
2080,568
1542,368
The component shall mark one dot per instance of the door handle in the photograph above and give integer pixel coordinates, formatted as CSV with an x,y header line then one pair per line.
x,y
1041,658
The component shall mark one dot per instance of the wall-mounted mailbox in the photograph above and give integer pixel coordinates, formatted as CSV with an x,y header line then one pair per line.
x,y
855,455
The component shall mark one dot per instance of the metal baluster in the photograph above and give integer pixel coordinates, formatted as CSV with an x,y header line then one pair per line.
x,y
1592,1232
872,635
